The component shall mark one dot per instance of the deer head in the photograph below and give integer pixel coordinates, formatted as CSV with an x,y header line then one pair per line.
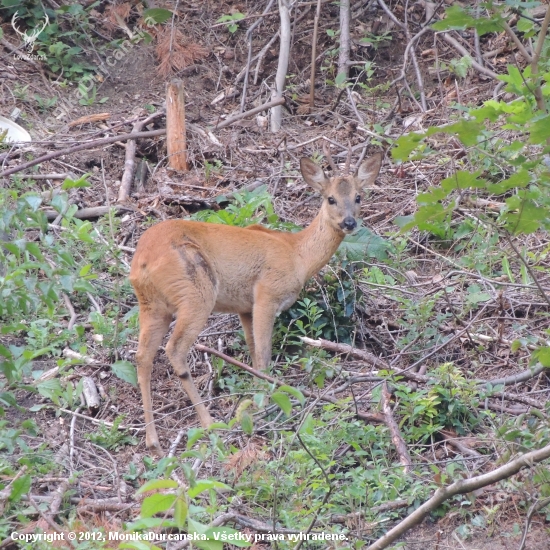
x,y
29,37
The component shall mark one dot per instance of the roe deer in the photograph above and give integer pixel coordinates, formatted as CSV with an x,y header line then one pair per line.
x,y
190,269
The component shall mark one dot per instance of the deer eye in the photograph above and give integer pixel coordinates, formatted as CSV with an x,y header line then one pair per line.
x,y
331,200
358,199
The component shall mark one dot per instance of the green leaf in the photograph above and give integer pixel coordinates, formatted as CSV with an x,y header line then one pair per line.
x,y
83,232
542,355
156,503
34,249
180,512
527,220
157,484
308,425
340,79
125,371
50,388
21,486
283,401
80,182
518,180
295,392
457,18
156,15
205,485
466,129
85,270
365,243
463,180
506,269
193,435
8,399
34,201
247,423
405,145
540,130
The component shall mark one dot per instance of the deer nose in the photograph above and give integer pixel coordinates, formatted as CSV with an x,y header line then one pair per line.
x,y
349,224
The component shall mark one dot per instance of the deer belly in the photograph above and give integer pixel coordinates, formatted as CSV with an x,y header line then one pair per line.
x,y
234,300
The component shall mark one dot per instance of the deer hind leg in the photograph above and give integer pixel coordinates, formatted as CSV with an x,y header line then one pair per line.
x,y
154,325
190,320
247,323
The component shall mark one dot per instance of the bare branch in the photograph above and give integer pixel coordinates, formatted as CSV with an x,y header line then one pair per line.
x,y
461,487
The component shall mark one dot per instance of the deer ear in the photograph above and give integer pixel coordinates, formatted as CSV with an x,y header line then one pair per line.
x,y
313,174
368,170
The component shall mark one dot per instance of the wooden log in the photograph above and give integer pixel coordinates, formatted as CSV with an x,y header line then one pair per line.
x,y
91,394
175,126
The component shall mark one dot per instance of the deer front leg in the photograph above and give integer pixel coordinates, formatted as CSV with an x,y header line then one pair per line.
x,y
263,319
246,322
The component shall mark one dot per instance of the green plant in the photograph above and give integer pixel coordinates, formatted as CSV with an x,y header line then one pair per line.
x,y
44,103
20,92
89,97
512,138
232,20
112,438
377,40
449,401
63,41
247,208
212,167
459,67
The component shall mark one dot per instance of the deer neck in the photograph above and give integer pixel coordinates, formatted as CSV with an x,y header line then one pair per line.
x,y
316,244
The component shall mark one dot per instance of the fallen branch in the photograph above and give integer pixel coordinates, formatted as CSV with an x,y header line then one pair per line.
x,y
515,378
82,147
460,487
364,355
129,159
93,212
396,437
251,112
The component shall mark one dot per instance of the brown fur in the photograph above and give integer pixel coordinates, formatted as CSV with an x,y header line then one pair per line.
x,y
190,269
